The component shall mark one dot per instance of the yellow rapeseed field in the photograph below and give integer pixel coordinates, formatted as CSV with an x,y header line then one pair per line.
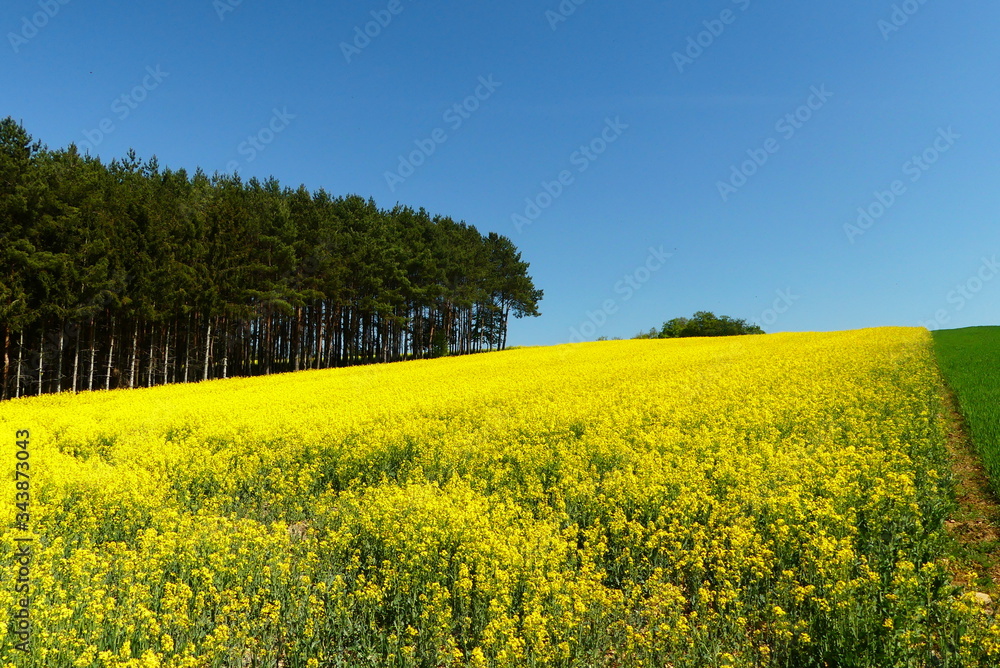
x,y
755,501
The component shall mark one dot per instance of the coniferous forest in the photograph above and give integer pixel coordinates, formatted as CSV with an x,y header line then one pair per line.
x,y
130,275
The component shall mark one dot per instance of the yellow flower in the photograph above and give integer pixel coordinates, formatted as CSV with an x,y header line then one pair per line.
x,y
608,502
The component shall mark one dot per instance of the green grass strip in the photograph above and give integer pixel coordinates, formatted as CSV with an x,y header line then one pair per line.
x,y
970,361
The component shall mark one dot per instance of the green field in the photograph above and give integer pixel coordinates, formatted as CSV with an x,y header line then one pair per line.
x,y
970,360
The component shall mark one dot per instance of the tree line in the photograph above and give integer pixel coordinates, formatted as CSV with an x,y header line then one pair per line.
x,y
126,275
702,323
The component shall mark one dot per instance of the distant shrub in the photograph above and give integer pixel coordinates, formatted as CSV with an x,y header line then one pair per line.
x,y
702,323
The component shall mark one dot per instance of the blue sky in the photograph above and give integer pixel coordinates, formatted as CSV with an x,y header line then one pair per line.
x,y
739,138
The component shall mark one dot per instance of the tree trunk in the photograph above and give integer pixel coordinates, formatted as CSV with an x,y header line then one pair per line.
x,y
20,356
320,333
6,362
76,360
135,355
506,314
151,356
41,359
225,352
208,348
93,354
166,357
187,350
329,336
62,341
111,356
297,337
267,345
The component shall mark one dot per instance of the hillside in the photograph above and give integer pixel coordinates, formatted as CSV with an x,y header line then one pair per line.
x,y
755,501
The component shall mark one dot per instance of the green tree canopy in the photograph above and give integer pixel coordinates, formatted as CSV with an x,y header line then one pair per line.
x,y
124,273
702,323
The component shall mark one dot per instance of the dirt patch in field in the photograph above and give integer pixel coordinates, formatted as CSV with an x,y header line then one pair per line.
x,y
975,524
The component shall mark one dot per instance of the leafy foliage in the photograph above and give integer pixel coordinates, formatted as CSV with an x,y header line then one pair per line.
x,y
129,274
702,323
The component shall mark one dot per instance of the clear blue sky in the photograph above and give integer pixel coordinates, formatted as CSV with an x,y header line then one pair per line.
x,y
201,78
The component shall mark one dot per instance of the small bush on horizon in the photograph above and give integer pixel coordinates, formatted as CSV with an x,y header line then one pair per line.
x,y
702,323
